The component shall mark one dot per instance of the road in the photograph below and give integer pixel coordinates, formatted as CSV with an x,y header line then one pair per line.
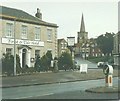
x,y
82,61
81,95
40,91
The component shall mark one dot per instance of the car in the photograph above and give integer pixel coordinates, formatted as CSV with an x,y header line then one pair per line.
x,y
100,64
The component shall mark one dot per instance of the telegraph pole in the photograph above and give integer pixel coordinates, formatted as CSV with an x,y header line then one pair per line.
x,y
14,48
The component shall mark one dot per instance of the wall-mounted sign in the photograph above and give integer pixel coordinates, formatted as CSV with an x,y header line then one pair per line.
x,y
22,42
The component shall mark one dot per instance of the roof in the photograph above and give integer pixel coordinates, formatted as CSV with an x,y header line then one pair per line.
x,y
60,40
19,15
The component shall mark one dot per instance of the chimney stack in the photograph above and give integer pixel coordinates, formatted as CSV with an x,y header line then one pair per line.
x,y
38,14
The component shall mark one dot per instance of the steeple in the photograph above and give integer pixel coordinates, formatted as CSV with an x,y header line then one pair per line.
x,y
82,29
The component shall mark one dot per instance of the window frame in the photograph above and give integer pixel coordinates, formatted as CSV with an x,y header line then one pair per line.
x,y
49,34
23,35
9,29
37,34
9,51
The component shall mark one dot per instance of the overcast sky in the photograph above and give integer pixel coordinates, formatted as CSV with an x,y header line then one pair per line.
x,y
99,17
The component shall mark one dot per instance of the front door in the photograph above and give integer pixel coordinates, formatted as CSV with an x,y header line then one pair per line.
x,y
24,55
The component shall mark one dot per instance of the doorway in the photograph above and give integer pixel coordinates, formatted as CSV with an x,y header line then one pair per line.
x,y
24,55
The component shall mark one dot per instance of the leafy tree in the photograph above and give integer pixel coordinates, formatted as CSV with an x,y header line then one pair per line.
x,y
8,64
65,61
37,64
44,61
105,43
49,58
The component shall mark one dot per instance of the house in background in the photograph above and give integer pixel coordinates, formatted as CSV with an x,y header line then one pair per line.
x,y
85,47
116,50
33,35
62,46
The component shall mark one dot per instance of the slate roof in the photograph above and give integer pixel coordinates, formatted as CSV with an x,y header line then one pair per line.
x,y
20,15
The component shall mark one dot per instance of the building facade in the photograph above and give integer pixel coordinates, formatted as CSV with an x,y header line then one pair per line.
x,y
82,37
86,47
62,46
116,50
32,35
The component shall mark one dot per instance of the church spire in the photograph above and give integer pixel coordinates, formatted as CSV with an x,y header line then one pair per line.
x,y
82,29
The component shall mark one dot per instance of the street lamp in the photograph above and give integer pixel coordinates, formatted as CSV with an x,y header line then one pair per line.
x,y
71,45
14,48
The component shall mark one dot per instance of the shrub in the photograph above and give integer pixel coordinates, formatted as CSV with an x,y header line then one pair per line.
x,y
44,63
8,64
65,61
37,66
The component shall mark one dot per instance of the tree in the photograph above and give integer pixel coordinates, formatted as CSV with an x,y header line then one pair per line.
x,y
8,64
105,43
37,64
49,58
44,61
65,61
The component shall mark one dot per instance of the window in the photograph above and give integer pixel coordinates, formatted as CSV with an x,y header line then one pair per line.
x,y
62,45
9,51
65,45
49,34
9,30
24,31
37,33
37,53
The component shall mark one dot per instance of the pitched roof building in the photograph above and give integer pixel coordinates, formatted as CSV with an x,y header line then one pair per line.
x,y
86,47
33,35
62,46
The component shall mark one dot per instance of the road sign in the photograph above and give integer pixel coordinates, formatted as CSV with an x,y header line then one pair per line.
x,y
83,68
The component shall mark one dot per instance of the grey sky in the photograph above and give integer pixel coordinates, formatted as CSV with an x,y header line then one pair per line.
x,y
99,17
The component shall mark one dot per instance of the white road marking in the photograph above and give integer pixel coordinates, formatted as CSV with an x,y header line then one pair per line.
x,y
34,96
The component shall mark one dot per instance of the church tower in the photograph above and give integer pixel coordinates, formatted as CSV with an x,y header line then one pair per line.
x,y
82,35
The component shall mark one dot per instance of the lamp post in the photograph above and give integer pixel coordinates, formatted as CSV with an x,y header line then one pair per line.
x,y
71,45
14,48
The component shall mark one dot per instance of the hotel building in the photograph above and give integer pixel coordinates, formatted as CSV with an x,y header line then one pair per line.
x,y
33,36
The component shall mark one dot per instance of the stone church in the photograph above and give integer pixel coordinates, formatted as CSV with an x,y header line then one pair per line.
x,y
86,47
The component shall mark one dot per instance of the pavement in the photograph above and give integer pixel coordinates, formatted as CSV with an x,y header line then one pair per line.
x,y
50,77
104,90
